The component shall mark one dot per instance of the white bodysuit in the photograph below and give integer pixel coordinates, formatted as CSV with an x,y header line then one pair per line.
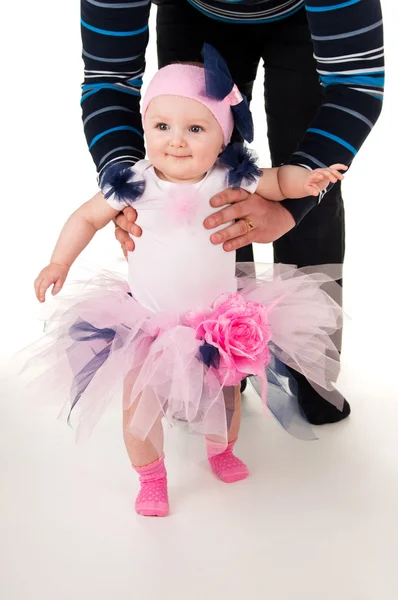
x,y
174,265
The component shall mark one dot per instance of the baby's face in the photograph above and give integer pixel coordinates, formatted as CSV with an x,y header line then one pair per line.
x,y
183,138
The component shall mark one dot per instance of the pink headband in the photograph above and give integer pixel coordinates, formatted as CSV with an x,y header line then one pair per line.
x,y
188,81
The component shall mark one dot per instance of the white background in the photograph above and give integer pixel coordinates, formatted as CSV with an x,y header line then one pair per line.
x,y
314,520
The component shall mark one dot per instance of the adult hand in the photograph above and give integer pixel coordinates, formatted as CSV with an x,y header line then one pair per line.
x,y
270,220
125,224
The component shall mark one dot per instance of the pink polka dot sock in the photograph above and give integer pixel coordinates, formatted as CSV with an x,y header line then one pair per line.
x,y
225,465
153,500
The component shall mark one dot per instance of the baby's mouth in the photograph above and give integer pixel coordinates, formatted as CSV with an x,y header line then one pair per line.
x,y
179,157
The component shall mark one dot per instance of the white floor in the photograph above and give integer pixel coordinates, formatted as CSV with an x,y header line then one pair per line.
x,y
314,520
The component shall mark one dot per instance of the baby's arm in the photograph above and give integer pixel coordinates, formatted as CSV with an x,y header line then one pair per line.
x,y
77,232
291,181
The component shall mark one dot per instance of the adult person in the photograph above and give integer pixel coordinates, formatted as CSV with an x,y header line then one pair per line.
x,y
323,90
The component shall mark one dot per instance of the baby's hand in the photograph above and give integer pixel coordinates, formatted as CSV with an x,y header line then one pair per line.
x,y
52,274
319,179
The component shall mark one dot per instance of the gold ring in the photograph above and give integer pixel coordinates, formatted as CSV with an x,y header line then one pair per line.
x,y
249,224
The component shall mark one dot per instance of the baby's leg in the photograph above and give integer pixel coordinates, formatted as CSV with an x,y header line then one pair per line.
x,y
142,452
226,465
147,459
233,406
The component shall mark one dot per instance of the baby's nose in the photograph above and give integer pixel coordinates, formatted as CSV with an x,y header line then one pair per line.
x,y
177,139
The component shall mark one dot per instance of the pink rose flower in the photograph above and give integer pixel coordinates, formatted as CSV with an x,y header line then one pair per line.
x,y
240,331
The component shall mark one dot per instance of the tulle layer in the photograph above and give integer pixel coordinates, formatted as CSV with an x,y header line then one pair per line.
x,y
103,344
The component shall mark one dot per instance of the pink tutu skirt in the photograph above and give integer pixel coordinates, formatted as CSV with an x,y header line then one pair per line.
x,y
102,344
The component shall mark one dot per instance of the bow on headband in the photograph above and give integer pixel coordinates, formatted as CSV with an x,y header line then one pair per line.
x,y
220,86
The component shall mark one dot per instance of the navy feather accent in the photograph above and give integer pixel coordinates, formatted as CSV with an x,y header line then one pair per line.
x,y
219,84
116,181
210,355
83,331
243,120
241,164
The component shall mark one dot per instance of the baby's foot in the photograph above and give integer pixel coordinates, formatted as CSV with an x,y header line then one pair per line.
x,y
226,465
152,500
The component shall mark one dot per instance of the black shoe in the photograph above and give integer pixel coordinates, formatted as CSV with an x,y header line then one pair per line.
x,y
243,385
316,409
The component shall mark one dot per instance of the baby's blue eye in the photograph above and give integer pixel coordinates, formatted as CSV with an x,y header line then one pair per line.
x,y
162,126
195,128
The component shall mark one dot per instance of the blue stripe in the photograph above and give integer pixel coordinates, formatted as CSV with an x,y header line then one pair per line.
x,y
368,93
245,21
121,128
137,82
113,33
332,7
109,86
350,79
334,138
85,96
